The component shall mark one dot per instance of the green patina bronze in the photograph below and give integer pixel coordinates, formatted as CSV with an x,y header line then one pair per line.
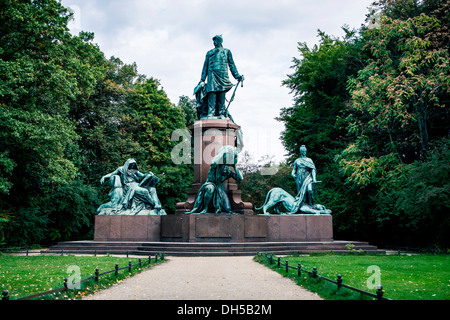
x,y
211,95
212,197
304,173
132,193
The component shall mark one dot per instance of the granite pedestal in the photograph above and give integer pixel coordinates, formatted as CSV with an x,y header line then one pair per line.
x,y
209,136
215,228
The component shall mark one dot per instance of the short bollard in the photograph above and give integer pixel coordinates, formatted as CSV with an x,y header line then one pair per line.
x,y
5,295
299,269
149,258
156,257
287,266
129,266
271,259
279,262
66,286
379,292
116,270
140,263
96,275
339,281
314,272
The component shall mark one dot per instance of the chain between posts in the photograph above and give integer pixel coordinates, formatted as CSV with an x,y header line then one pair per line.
x,y
96,276
314,274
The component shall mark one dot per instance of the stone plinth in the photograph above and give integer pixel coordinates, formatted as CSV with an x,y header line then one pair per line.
x,y
127,228
215,228
242,228
209,136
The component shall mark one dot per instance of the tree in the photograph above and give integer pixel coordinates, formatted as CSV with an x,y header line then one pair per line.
x,y
398,123
44,70
189,108
37,82
395,99
156,119
105,122
319,85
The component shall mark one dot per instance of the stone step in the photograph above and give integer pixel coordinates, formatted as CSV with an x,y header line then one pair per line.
x,y
206,248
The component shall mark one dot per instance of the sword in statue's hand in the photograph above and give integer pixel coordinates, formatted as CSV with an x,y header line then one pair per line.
x,y
241,81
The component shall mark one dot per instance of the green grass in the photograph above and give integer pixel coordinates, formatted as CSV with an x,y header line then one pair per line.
x,y
23,276
403,277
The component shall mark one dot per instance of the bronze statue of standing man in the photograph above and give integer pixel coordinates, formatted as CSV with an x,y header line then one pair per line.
x,y
211,96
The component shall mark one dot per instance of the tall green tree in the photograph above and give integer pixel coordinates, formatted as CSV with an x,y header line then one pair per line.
x,y
37,82
105,122
396,98
319,85
156,119
398,124
43,71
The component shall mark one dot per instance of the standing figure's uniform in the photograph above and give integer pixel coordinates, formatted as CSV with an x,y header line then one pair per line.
x,y
215,70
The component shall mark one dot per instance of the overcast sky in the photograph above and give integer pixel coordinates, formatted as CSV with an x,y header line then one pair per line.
x,y
168,40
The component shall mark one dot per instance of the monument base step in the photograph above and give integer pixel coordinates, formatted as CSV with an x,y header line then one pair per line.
x,y
208,248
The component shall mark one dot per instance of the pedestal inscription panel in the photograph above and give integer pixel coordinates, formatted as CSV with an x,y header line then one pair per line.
x,y
215,228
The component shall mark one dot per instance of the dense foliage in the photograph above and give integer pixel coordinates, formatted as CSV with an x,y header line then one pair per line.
x,y
372,108
68,116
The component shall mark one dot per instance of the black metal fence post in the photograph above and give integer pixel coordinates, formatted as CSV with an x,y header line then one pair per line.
x,y
314,274
339,281
129,266
116,270
5,295
96,275
66,285
379,292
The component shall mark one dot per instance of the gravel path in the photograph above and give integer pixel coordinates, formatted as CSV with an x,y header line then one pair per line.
x,y
206,278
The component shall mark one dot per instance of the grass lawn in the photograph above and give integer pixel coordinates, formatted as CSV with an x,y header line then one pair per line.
x,y
23,276
403,277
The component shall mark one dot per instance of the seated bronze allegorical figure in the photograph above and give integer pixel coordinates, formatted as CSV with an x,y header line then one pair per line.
x,y
212,197
129,195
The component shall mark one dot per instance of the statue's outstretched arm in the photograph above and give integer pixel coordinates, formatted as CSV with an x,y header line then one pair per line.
x,y
107,176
